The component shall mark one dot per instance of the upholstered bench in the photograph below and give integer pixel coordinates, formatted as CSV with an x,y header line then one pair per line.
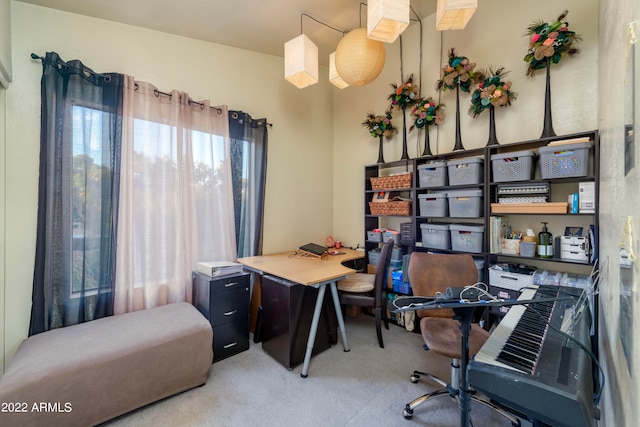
x,y
86,374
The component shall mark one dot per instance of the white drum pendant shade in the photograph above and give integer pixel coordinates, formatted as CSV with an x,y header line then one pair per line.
x,y
454,14
334,77
387,19
359,60
301,61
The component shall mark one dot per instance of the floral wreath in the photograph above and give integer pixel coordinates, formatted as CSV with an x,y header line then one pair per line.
x,y
404,95
380,125
426,113
492,92
457,72
551,41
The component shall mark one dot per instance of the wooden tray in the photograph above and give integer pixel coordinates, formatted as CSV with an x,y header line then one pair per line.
x,y
530,208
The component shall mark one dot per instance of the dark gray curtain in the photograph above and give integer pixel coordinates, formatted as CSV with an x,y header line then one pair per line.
x,y
249,169
81,131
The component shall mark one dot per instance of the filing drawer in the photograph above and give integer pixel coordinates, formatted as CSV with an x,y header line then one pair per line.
x,y
230,338
229,306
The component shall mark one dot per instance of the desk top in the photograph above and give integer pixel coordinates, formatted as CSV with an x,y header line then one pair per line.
x,y
305,270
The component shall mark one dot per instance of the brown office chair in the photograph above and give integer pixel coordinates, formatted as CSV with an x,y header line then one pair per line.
x,y
367,290
430,274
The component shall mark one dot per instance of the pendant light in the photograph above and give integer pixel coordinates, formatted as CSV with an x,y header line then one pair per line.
x,y
334,77
301,62
359,60
387,19
454,14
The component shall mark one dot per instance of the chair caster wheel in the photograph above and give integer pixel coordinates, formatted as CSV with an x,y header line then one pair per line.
x,y
407,413
414,378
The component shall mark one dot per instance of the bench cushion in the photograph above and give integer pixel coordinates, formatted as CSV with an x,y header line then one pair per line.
x,y
95,371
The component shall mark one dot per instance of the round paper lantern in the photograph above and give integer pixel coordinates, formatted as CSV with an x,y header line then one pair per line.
x,y
359,60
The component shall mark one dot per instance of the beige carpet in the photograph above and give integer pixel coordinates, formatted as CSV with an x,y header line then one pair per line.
x,y
367,386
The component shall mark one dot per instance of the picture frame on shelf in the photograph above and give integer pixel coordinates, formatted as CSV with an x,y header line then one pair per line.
x,y
381,197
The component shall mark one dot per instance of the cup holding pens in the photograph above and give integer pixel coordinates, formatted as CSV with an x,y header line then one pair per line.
x,y
510,246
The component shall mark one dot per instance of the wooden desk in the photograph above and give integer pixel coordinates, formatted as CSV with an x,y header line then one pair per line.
x,y
309,271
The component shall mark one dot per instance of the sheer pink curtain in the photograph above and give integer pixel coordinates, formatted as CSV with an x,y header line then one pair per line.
x,y
176,200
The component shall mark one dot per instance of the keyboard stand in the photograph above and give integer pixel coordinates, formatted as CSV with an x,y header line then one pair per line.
x,y
464,315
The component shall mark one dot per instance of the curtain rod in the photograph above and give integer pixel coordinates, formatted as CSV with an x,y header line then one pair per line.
x,y
156,92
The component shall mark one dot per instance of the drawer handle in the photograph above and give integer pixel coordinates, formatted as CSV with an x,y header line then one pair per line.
x,y
508,277
228,285
233,344
229,313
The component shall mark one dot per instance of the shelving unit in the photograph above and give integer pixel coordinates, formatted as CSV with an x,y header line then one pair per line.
x,y
560,188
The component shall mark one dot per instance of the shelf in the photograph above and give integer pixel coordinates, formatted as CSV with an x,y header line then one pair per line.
x,y
560,260
556,210
530,208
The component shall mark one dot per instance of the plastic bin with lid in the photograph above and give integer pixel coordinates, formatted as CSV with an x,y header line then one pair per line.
x,y
433,204
466,171
466,237
465,203
514,166
432,174
436,235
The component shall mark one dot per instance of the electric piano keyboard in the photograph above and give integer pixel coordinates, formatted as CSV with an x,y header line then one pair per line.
x,y
528,366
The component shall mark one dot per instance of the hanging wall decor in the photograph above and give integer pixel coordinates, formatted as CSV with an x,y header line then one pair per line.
x,y
425,114
380,127
490,93
404,96
548,44
457,74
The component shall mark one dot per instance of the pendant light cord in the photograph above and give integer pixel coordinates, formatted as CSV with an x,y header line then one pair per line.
x,y
319,22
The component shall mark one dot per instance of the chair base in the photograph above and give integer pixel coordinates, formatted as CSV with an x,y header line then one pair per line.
x,y
452,392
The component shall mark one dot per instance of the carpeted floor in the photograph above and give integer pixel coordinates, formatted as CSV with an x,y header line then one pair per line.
x,y
368,386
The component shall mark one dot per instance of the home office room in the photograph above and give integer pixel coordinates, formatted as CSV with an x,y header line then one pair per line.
x,y
280,260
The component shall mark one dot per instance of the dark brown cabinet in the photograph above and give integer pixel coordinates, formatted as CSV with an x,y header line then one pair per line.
x,y
287,311
224,301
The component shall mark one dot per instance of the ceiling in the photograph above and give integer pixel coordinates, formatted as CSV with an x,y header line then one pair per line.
x,y
258,25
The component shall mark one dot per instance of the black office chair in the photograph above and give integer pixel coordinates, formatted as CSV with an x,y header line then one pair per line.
x,y
367,290
428,275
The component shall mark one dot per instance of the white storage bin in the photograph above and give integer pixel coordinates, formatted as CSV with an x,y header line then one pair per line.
x,y
433,204
436,235
508,280
466,171
465,204
466,237
432,174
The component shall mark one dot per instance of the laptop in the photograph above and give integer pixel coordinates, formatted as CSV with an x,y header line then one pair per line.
x,y
313,248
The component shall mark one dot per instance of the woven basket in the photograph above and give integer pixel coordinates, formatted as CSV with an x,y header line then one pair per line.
x,y
391,182
400,208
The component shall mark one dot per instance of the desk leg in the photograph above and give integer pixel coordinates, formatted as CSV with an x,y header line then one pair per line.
x,y
312,332
336,304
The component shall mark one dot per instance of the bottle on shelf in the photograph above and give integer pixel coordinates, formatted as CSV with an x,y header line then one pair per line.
x,y
545,242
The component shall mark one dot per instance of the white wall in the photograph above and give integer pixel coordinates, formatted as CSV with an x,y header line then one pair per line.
x,y
5,43
299,191
618,199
